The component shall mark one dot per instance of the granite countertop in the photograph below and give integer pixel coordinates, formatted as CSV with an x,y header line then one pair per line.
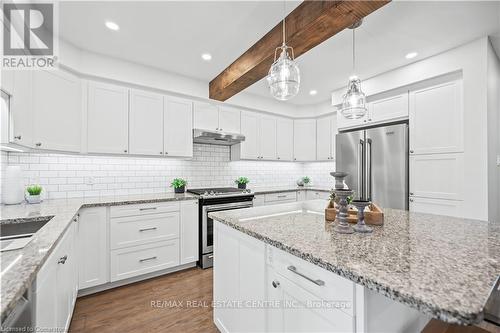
x,y
278,189
19,267
439,265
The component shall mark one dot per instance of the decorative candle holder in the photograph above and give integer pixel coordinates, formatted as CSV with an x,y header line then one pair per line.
x,y
342,226
361,226
339,179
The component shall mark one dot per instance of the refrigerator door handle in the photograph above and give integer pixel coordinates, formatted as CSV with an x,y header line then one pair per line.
x,y
369,169
360,189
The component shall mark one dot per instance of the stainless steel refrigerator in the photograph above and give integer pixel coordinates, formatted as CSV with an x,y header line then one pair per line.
x,y
377,162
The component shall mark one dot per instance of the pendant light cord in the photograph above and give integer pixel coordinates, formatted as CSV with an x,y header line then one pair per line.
x,y
354,51
284,17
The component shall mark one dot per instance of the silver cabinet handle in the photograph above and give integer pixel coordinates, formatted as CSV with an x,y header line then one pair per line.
x,y
38,144
316,282
62,260
166,153
124,150
278,157
147,259
148,208
275,284
411,193
17,137
161,153
281,196
220,129
411,151
147,229
211,256
411,200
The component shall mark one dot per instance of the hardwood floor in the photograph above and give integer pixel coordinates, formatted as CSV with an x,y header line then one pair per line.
x,y
178,302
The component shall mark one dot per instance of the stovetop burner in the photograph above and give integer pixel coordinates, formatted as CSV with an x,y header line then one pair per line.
x,y
219,191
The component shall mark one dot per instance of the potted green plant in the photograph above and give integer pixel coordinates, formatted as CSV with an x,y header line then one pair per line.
x,y
242,182
306,180
33,194
179,185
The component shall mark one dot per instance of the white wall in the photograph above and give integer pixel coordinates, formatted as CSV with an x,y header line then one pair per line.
x,y
493,134
67,176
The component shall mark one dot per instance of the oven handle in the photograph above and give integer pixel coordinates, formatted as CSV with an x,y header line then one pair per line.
x,y
233,205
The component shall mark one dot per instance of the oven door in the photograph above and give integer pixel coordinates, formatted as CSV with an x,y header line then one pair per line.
x,y
207,224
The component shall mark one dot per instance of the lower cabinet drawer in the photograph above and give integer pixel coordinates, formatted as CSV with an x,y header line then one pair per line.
x,y
312,195
280,197
316,280
137,230
138,260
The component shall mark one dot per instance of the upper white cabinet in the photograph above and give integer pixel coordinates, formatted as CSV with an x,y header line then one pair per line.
x,y
107,118
385,108
21,112
211,117
304,140
206,116
436,119
57,110
229,119
284,139
325,143
250,148
267,136
178,127
146,123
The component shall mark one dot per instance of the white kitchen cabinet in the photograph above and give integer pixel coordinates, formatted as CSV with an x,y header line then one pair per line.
x,y
189,231
178,127
436,119
21,111
437,176
57,110
388,109
250,148
437,206
206,116
268,136
304,140
345,123
326,128
284,139
281,197
107,118
258,200
56,285
229,119
301,195
93,255
313,195
146,123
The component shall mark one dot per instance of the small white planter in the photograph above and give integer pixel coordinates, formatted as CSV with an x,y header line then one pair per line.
x,y
33,199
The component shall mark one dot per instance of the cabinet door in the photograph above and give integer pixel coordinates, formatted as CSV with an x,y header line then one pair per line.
x,y
21,110
46,295
439,176
178,127
324,139
66,269
93,256
390,108
437,206
229,119
107,123
284,139
344,123
268,138
206,116
250,129
304,139
436,119
146,123
189,231
57,110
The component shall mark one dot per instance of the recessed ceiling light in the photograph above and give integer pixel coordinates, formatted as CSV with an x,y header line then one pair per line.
x,y
313,92
411,55
112,26
206,56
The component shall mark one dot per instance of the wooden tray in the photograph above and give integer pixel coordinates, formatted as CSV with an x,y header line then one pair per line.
x,y
373,217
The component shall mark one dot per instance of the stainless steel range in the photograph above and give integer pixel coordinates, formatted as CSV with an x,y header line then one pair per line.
x,y
213,200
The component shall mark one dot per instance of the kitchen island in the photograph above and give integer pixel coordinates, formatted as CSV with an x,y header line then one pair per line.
x,y
415,267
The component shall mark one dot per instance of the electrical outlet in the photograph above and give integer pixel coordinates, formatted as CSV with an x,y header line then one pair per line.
x,y
90,181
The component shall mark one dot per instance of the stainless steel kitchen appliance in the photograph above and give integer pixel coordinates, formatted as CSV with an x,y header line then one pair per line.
x,y
377,162
214,200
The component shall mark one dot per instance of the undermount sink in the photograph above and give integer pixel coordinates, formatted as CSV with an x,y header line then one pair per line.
x,y
15,235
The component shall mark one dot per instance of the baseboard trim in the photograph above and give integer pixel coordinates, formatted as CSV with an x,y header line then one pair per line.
x,y
111,285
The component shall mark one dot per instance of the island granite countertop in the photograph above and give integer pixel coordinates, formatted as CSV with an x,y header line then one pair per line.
x,y
19,267
442,266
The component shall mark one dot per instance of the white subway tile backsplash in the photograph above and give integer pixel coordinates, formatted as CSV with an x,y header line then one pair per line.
x,y
71,176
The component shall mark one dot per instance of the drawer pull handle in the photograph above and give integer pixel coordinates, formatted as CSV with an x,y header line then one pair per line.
x,y
147,229
316,282
62,260
276,284
281,196
148,208
147,259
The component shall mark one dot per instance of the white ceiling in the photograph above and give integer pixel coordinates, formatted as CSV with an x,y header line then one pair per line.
x,y
172,35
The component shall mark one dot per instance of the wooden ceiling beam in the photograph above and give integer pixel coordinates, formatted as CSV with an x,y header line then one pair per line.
x,y
307,26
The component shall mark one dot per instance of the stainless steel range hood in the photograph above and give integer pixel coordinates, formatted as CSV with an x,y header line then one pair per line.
x,y
216,137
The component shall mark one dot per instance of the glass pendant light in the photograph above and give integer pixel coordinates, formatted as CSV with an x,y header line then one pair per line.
x,y
284,75
354,102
